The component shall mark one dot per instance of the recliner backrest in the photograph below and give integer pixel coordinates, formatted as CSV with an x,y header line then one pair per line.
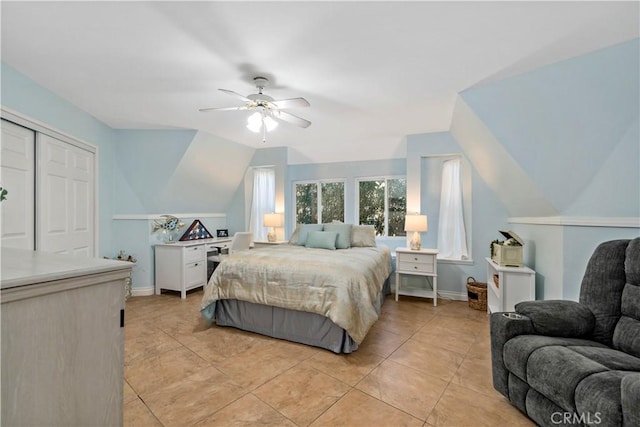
x,y
626,335
602,286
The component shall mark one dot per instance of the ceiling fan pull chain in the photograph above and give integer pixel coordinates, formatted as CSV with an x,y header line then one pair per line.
x,y
264,130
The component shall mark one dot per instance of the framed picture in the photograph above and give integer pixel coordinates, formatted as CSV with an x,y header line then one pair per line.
x,y
222,233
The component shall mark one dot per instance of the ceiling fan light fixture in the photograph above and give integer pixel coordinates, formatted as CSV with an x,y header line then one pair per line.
x,y
270,123
254,122
257,120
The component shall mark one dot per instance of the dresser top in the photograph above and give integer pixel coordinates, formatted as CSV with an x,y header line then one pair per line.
x,y
21,267
196,242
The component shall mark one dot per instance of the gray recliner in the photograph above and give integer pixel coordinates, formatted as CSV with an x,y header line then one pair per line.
x,y
576,363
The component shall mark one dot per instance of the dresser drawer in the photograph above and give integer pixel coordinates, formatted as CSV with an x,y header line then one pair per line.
x,y
195,273
194,253
418,267
212,246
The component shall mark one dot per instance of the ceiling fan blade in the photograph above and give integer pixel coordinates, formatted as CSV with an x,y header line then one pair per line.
x,y
236,94
290,118
291,103
204,110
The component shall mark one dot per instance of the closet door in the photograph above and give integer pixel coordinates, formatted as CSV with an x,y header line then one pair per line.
x,y
17,163
65,198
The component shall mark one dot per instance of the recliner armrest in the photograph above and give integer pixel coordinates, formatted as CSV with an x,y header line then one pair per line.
x,y
558,318
505,326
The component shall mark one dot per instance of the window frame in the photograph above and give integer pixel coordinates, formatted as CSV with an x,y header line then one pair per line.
x,y
318,183
386,201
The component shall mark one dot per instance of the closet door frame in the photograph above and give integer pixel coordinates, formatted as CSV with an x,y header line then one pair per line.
x,y
43,128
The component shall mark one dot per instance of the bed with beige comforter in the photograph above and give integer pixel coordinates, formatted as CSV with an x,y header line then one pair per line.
x,y
300,291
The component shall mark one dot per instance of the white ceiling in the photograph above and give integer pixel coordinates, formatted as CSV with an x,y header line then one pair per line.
x,y
373,72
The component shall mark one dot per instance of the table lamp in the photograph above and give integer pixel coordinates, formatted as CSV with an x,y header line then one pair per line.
x,y
272,220
417,224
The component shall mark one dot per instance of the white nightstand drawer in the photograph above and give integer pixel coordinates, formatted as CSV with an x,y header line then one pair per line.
x,y
416,258
194,273
194,253
417,267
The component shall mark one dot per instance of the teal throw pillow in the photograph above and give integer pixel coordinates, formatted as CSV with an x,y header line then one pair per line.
x,y
322,240
305,229
344,234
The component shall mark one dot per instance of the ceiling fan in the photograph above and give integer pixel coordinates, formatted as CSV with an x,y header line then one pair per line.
x,y
266,109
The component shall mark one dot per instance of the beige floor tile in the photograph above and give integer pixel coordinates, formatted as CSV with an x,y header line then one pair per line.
x,y
359,409
193,398
216,344
152,373
246,411
480,349
150,343
128,393
381,342
476,375
461,325
404,388
349,368
460,406
427,358
445,338
259,364
302,393
136,414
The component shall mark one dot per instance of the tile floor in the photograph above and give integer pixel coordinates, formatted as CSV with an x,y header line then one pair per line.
x,y
419,366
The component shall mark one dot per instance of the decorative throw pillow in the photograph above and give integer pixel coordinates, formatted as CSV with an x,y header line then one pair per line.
x,y
322,240
363,236
344,234
294,236
305,229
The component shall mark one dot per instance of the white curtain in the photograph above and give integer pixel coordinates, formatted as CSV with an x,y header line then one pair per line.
x,y
452,238
263,201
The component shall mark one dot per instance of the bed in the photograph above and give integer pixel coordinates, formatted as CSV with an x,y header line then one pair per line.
x,y
324,298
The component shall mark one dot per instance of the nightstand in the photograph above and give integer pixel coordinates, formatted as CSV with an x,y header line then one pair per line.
x,y
263,243
422,262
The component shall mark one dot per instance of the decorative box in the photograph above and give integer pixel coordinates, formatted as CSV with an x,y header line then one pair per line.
x,y
509,252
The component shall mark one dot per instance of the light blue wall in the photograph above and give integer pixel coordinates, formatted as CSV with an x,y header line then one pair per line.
x,y
572,127
23,95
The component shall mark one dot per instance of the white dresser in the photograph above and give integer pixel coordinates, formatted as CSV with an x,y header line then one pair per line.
x,y
62,339
507,286
182,266
423,262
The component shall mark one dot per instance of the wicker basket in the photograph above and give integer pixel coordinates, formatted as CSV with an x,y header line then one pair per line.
x,y
477,294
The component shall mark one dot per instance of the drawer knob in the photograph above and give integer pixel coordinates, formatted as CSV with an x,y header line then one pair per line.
x,y
415,267
415,259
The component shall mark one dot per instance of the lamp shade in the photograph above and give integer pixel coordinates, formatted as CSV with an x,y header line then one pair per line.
x,y
273,220
415,223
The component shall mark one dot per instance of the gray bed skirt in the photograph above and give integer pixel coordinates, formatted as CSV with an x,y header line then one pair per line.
x,y
292,325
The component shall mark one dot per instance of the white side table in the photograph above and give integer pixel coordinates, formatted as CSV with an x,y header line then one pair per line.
x,y
422,262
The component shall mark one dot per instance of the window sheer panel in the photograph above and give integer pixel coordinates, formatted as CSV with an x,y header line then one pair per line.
x,y
263,201
452,238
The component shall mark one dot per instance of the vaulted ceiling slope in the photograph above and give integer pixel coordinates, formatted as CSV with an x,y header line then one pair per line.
x,y
372,71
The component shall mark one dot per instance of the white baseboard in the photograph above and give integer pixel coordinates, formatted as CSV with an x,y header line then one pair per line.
x,y
142,292
455,296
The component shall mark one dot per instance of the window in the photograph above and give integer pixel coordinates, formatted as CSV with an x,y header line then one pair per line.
x,y
452,238
319,202
382,202
263,201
